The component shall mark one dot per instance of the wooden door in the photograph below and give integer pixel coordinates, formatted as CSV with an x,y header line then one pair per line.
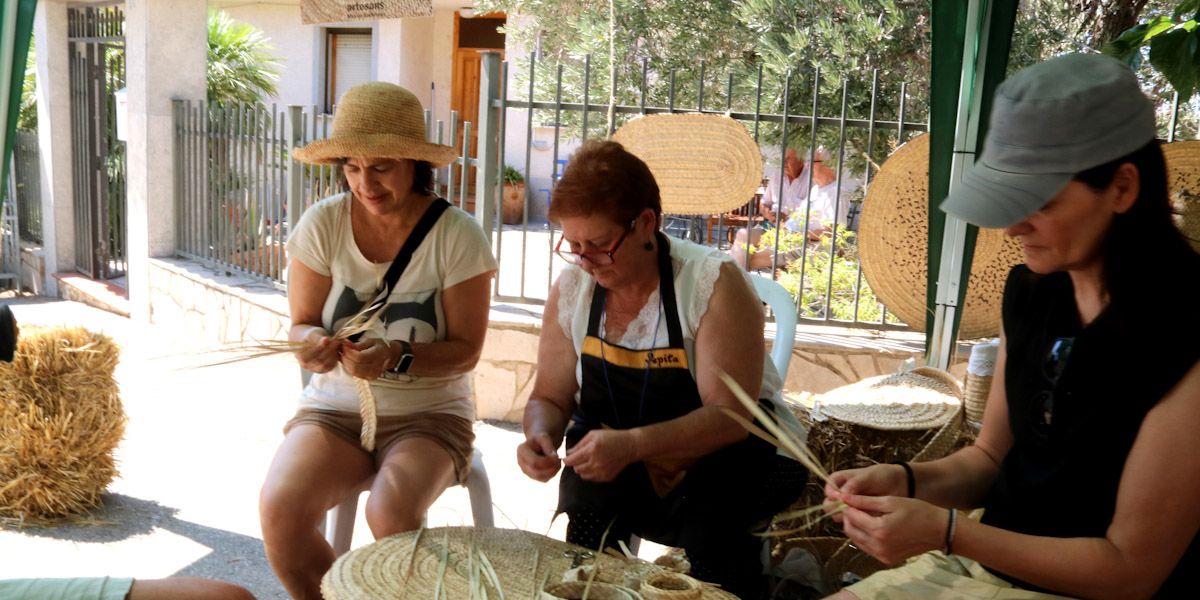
x,y
464,92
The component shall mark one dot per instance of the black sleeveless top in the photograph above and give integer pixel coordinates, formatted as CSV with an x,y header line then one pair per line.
x,y
1076,399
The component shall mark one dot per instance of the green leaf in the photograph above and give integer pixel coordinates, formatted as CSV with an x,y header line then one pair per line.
x,y
1172,54
1185,7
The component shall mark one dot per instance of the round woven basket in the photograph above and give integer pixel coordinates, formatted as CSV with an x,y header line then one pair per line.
x,y
703,164
1183,181
671,586
923,398
415,564
574,590
893,241
975,395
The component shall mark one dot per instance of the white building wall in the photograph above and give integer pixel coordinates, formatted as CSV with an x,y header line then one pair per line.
x,y
296,45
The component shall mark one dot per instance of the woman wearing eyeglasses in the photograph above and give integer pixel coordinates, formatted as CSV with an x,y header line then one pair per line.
x,y
634,334
1088,463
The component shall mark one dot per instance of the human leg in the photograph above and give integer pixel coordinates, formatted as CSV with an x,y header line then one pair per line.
x,y
187,588
412,474
313,470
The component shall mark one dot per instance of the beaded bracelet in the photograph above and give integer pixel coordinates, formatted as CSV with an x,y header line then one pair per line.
x,y
912,479
949,548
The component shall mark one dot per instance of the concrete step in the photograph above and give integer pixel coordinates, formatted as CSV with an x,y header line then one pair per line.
x,y
104,295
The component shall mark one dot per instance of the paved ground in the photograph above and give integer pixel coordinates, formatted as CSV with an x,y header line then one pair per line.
x,y
196,447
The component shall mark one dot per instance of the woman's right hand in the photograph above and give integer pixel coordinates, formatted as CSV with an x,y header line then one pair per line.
x,y
320,353
538,457
875,480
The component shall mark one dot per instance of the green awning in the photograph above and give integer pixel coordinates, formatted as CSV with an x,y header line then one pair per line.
x,y
971,41
16,25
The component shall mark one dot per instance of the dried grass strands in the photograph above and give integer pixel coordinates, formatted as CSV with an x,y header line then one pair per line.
x,y
60,421
783,438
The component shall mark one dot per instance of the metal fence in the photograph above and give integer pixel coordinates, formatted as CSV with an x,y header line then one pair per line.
x,y
860,123
237,188
27,177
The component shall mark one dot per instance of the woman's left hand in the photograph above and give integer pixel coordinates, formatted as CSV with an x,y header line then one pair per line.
x,y
893,529
601,455
366,359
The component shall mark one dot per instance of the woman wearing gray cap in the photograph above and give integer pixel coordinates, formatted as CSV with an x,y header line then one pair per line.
x,y
1088,463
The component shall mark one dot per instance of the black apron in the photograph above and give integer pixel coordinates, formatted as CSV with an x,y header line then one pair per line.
x,y
712,498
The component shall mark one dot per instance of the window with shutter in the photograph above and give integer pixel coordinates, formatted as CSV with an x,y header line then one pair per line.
x,y
348,63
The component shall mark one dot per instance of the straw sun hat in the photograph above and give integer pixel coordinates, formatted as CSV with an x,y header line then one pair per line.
x,y
893,243
377,120
415,564
703,164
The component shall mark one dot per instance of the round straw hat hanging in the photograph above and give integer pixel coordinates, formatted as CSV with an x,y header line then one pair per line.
x,y
893,243
703,164
1183,183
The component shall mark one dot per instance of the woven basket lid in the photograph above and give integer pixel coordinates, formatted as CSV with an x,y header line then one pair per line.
x,y
924,398
1183,181
893,243
415,564
703,164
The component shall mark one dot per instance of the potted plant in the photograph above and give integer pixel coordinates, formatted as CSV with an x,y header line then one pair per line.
x,y
513,207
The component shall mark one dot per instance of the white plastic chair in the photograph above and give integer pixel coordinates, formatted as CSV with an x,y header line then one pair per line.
x,y
339,520
780,301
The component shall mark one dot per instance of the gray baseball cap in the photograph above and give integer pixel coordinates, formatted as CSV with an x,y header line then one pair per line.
x,y
1049,122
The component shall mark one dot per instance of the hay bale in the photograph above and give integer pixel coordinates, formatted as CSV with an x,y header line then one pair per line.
x,y
60,421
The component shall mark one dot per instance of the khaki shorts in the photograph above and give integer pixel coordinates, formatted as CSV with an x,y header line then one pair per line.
x,y
934,575
454,434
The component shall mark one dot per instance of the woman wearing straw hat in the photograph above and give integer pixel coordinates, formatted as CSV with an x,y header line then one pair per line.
x,y
633,338
423,271
1088,463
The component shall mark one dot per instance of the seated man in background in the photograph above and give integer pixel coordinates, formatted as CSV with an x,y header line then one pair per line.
x,y
827,205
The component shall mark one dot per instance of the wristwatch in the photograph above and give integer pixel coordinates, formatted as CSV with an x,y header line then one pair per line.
x,y
406,359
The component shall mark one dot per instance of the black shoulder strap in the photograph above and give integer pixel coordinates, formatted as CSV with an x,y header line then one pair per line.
x,y
422,229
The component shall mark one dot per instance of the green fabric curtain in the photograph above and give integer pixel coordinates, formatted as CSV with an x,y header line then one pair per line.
x,y
949,34
16,25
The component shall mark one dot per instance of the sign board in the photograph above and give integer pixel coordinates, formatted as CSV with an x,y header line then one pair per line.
x,y
338,11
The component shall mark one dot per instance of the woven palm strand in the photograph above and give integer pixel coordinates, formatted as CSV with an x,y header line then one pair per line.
x,y
61,419
368,411
893,245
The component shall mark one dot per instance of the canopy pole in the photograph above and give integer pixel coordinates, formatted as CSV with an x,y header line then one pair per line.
x,y
966,134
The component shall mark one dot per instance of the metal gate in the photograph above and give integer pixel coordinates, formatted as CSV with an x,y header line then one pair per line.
x,y
96,37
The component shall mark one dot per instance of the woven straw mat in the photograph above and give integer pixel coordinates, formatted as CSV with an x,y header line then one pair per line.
x,y
703,164
893,241
924,398
410,565
1183,181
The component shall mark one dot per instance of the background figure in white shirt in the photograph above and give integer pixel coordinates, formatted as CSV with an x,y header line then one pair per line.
x,y
829,202
775,206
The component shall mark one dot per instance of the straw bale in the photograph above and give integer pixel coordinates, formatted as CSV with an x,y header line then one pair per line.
x,y
60,421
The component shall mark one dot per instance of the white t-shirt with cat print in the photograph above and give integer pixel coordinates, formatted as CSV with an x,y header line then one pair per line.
x,y
454,251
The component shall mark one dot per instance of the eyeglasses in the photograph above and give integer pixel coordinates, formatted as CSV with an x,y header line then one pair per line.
x,y
599,258
1052,369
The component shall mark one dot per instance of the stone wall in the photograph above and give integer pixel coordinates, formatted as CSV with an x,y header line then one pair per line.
x,y
220,307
